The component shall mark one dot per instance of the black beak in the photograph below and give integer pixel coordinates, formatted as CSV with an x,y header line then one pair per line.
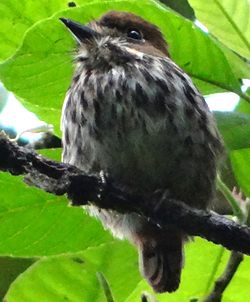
x,y
79,31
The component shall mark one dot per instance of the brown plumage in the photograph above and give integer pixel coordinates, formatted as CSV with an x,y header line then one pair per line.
x,y
133,113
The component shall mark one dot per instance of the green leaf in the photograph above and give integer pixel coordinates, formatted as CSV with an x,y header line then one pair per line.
x,y
72,277
11,268
228,21
244,106
34,223
47,113
235,129
241,163
33,75
55,154
182,7
17,16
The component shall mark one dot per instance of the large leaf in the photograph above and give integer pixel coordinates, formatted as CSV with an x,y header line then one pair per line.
x,y
34,223
17,16
228,21
73,277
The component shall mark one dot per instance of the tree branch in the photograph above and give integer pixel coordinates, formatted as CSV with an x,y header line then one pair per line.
x,y
59,178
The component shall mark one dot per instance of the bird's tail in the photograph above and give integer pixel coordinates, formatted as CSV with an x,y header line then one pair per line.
x,y
161,258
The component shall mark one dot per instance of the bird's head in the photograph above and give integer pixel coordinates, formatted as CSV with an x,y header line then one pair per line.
x,y
116,38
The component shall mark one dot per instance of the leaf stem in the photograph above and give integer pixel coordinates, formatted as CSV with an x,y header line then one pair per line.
x,y
104,283
215,269
230,198
244,96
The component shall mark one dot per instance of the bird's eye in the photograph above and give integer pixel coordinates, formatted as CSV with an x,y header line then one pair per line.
x,y
134,34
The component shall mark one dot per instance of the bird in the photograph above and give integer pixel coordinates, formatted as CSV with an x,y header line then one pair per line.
x,y
134,114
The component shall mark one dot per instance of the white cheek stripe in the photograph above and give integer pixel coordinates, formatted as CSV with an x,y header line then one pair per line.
x,y
135,52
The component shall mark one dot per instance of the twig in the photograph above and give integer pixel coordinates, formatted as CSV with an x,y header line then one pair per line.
x,y
59,178
220,284
240,208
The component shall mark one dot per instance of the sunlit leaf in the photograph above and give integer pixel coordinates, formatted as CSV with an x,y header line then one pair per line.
x,y
35,223
68,277
17,16
228,21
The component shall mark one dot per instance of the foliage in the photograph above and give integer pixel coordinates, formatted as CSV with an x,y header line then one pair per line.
x,y
69,247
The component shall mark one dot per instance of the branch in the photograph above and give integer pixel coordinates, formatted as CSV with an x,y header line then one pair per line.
x,y
59,178
220,284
